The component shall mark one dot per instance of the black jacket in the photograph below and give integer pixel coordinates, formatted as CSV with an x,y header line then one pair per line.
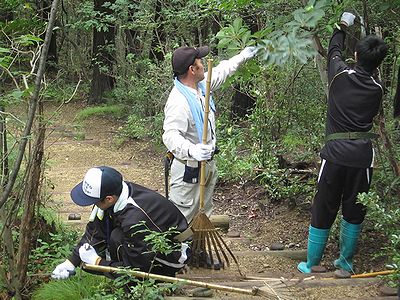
x,y
158,213
354,100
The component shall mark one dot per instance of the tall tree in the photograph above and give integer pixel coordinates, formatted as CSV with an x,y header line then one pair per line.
x,y
102,57
43,7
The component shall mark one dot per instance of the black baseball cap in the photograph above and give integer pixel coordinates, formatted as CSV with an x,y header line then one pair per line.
x,y
184,57
98,183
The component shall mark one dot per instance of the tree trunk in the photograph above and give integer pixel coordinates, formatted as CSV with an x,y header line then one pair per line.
x,y
102,59
32,107
4,171
52,55
158,41
10,279
242,104
31,198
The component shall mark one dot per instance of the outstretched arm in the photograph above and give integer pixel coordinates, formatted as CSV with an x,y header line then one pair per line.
x,y
336,45
227,67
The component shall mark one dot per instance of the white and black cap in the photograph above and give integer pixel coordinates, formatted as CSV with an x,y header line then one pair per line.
x,y
99,182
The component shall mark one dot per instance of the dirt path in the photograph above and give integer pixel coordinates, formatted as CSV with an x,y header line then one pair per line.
x,y
75,146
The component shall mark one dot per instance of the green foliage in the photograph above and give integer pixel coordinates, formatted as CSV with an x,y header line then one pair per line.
x,y
87,286
159,242
110,111
143,127
235,159
235,37
131,288
144,88
80,286
53,243
281,185
127,287
229,5
56,247
291,41
145,85
385,217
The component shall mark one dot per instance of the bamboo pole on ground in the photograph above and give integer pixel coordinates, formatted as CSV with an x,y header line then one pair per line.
x,y
255,291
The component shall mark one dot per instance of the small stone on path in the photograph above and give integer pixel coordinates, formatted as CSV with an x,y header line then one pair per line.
x,y
233,234
388,291
318,269
202,292
74,217
342,274
277,246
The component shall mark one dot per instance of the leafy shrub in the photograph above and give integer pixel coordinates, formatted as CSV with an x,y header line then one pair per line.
x,y
81,286
385,216
144,127
127,287
234,159
55,249
112,111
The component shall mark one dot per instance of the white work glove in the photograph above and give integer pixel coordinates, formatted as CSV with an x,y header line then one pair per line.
x,y
347,19
249,52
88,254
63,270
201,152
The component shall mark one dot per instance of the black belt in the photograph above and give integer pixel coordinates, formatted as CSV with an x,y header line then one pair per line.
x,y
350,136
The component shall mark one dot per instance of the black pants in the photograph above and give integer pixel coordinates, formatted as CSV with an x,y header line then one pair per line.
x,y
117,254
339,185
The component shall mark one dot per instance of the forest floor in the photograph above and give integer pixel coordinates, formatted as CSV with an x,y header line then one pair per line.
x,y
74,146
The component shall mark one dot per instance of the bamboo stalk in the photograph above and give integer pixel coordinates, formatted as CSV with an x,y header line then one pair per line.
x,y
206,238
205,130
254,291
372,274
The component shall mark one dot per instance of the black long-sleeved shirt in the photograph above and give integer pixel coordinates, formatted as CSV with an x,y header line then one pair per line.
x,y
158,213
353,101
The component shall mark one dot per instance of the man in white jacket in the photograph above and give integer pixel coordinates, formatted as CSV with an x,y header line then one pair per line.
x,y
183,125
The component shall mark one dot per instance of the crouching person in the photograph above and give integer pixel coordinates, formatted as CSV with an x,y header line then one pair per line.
x,y
123,214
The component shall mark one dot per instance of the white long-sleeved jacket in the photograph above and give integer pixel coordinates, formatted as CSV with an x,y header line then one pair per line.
x,y
180,131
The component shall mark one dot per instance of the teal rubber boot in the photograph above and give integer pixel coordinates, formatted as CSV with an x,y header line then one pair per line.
x,y
349,234
317,239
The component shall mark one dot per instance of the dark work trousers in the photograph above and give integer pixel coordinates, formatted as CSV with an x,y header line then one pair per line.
x,y
117,252
339,185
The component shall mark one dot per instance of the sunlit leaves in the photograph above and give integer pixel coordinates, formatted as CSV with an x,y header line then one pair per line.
x,y
28,40
234,37
228,4
291,42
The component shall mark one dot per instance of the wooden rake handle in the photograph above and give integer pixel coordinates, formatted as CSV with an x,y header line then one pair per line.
x,y
205,130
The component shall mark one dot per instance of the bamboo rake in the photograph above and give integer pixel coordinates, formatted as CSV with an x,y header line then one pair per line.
x,y
255,291
206,238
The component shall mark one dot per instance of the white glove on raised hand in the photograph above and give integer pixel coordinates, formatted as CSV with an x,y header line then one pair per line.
x,y
201,152
88,254
347,19
249,52
63,270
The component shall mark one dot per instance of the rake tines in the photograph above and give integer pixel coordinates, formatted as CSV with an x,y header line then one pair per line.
x,y
208,242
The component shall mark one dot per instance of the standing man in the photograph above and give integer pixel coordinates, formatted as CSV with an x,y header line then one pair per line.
x,y
123,212
183,126
347,158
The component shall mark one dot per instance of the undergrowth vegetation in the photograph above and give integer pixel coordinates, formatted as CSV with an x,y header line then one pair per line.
x,y
116,56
